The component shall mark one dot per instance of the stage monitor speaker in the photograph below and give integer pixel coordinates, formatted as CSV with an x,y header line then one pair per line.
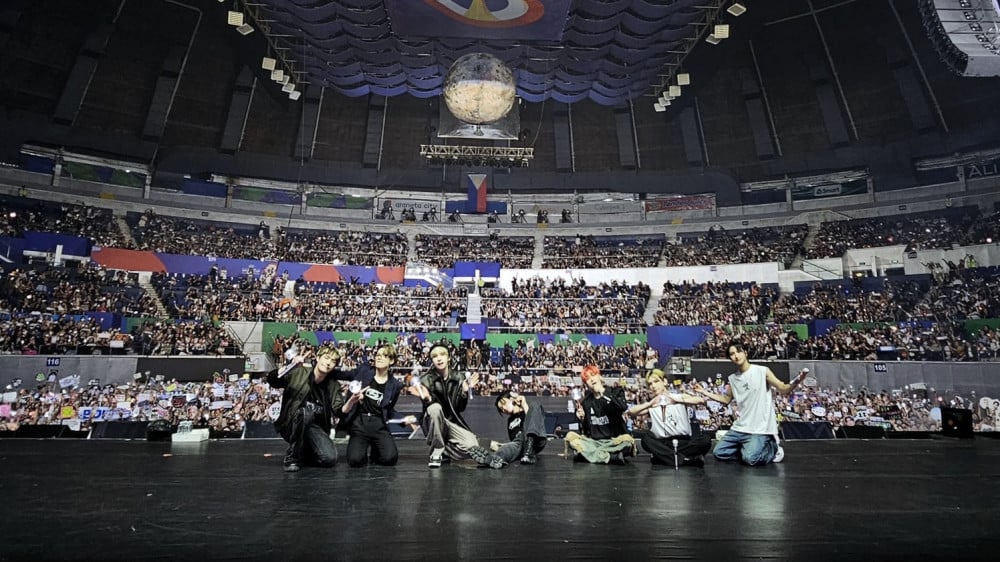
x,y
159,430
806,430
119,430
956,422
861,432
261,430
560,420
38,431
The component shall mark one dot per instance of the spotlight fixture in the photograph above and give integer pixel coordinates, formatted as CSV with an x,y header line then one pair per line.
x,y
721,30
713,40
684,79
659,107
234,19
267,63
294,95
674,91
288,87
277,75
245,29
737,9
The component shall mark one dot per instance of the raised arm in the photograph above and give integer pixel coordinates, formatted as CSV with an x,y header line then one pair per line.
x,y
783,388
722,398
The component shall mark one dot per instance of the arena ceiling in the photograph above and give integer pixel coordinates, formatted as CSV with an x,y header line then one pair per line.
x,y
607,51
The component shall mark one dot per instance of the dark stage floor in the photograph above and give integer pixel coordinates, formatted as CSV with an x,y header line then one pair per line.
x,y
843,499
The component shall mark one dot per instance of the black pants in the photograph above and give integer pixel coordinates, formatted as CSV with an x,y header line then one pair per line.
x,y
662,448
533,429
370,431
308,441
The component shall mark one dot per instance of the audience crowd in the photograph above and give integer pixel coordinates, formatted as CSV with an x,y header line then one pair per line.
x,y
173,235
539,306
754,245
443,251
19,215
340,306
589,252
692,304
917,231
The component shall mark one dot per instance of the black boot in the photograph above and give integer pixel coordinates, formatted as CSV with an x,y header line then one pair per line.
x,y
485,458
291,462
529,456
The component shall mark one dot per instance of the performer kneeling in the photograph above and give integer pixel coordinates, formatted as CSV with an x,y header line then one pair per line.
x,y
311,398
371,405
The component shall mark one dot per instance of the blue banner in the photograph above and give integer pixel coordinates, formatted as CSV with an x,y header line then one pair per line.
x,y
205,188
473,331
468,269
47,242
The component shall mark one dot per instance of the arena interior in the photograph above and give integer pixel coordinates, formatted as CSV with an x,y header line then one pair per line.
x,y
196,193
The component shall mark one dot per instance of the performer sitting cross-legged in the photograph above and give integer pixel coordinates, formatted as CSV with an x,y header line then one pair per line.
x,y
671,424
605,439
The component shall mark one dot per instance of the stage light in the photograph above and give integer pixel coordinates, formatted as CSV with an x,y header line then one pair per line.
x,y
267,63
245,29
712,40
277,75
659,107
234,19
737,9
674,91
294,95
683,79
721,30
288,87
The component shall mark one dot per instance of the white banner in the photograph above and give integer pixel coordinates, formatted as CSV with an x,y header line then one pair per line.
x,y
274,410
608,208
417,205
70,381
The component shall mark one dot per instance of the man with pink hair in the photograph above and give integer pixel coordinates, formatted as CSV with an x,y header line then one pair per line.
x,y
604,439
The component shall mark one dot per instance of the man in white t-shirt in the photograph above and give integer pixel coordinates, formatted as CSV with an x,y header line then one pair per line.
x,y
670,440
753,438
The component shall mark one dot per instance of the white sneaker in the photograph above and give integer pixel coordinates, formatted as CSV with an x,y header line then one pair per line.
x,y
780,455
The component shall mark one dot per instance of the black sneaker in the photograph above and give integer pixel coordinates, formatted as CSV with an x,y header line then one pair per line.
x,y
696,461
617,458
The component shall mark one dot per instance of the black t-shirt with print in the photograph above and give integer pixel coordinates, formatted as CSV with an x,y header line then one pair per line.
x,y
372,400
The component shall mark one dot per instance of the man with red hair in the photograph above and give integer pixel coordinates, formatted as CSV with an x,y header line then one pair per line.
x,y
605,439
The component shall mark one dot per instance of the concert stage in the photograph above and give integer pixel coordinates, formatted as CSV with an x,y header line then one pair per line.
x,y
229,499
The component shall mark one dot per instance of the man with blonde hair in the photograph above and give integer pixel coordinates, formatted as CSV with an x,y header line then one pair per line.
x,y
670,439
